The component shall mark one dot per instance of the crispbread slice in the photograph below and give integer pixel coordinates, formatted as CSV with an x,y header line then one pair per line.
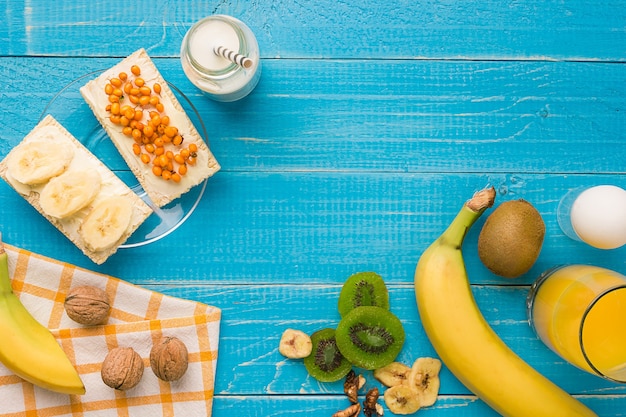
x,y
160,191
50,129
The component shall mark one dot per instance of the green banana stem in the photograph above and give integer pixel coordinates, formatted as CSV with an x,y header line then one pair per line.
x,y
5,281
469,213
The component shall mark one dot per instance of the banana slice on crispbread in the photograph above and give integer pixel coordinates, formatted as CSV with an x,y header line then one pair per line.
x,y
66,183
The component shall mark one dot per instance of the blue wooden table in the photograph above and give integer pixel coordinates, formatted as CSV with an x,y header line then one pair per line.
x,y
372,123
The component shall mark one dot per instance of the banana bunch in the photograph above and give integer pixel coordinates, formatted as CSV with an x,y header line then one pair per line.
x,y
466,343
28,348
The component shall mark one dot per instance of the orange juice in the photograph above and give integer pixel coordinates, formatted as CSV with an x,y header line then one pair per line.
x,y
579,311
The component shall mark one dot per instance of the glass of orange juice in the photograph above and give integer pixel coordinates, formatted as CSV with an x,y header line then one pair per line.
x,y
579,311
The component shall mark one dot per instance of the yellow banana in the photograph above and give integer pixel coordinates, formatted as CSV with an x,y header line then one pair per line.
x,y
466,343
28,348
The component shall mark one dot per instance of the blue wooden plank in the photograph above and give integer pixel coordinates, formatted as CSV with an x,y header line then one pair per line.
x,y
319,227
255,316
426,116
292,29
280,406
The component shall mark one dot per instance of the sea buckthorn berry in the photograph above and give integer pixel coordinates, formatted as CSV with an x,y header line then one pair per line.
x,y
177,140
193,148
160,107
145,158
176,177
166,175
150,148
108,89
128,131
155,120
115,108
134,91
114,99
135,70
191,160
144,100
154,100
179,159
115,118
139,82
118,92
159,141
108,107
159,150
157,88
157,170
116,82
182,170
137,134
127,88
124,121
184,153
165,120
138,114
133,99
171,131
145,90
148,131
123,76
136,149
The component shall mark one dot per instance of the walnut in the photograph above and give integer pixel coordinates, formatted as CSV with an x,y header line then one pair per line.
x,y
88,305
370,403
169,359
122,368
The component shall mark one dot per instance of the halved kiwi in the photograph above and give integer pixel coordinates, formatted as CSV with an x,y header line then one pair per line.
x,y
363,289
326,363
370,337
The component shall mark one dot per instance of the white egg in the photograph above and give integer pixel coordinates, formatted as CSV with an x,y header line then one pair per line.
x,y
598,216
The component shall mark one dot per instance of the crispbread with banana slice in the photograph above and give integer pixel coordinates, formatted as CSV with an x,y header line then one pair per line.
x,y
73,190
99,93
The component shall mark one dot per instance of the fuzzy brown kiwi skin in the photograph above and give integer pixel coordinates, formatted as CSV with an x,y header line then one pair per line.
x,y
511,238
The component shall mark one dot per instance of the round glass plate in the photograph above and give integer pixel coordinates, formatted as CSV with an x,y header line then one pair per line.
x,y
70,109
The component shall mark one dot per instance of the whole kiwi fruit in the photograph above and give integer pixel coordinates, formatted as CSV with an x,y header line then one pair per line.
x,y
511,238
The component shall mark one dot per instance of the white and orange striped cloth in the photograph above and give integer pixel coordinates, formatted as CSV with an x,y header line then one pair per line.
x,y
138,317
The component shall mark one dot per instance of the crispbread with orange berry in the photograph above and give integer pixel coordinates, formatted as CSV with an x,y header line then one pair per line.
x,y
150,128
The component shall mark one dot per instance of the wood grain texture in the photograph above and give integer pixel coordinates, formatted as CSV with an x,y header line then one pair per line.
x,y
320,227
370,127
406,29
449,116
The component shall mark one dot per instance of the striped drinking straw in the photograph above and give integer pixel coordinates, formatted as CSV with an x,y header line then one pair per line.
x,y
234,57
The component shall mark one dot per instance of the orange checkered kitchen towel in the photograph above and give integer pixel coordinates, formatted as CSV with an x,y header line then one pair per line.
x,y
138,316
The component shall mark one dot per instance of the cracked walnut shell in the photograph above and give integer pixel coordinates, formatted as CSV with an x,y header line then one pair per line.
x,y
122,368
169,359
88,305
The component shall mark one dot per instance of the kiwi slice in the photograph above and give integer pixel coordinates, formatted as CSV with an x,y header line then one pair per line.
x,y
363,289
326,363
370,337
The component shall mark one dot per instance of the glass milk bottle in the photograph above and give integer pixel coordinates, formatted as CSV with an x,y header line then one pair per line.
x,y
220,56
